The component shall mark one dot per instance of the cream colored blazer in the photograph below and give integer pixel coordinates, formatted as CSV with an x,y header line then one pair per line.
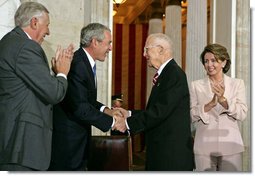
x,y
217,131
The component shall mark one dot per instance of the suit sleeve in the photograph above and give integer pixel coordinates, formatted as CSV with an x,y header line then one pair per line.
x,y
237,103
81,99
32,67
196,108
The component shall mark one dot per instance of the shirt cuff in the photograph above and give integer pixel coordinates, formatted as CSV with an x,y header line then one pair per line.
x,y
102,108
127,124
113,122
129,113
62,74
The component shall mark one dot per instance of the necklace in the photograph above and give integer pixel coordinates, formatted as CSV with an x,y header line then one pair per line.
x,y
221,82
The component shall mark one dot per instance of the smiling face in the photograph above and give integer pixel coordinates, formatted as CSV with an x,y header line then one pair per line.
x,y
103,47
38,27
41,25
157,50
212,65
215,58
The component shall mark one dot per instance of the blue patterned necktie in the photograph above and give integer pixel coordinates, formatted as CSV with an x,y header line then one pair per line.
x,y
94,70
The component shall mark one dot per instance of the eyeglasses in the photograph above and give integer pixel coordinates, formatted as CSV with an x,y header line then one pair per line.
x,y
145,49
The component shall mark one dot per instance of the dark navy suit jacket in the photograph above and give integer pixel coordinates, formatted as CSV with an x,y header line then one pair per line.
x,y
74,116
166,122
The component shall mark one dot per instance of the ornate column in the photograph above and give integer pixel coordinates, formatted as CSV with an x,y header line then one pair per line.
x,y
243,70
101,11
155,26
230,27
223,20
156,22
196,38
174,27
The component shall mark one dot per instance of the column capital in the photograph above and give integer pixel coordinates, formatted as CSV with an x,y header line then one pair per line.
x,y
156,9
173,2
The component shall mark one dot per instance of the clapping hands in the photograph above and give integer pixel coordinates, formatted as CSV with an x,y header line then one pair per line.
x,y
218,90
62,61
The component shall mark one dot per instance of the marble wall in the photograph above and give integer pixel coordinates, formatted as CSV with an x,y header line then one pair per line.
x,y
7,11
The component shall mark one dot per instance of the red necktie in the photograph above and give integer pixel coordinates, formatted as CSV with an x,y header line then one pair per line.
x,y
155,77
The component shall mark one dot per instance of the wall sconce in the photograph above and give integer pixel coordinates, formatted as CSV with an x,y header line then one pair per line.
x,y
114,12
118,2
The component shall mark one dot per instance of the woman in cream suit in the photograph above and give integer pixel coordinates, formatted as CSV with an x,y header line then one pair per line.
x,y
218,103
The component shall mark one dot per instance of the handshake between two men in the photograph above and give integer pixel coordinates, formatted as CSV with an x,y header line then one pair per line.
x,y
120,115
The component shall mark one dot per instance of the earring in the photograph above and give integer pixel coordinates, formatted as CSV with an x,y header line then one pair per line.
x,y
223,66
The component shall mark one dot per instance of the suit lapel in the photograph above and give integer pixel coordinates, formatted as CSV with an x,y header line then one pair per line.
x,y
163,75
227,83
88,66
205,87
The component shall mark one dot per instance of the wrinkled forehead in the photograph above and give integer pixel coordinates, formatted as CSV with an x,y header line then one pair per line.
x,y
150,41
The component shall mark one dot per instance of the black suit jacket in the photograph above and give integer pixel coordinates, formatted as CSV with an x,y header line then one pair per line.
x,y
27,92
166,122
74,116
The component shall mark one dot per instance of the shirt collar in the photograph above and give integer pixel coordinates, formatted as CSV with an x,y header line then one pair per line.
x,y
28,35
91,60
163,66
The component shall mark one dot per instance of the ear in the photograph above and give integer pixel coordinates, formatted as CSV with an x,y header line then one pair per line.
x,y
33,23
94,42
161,50
223,64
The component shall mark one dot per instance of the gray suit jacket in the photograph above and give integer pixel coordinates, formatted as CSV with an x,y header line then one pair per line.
x,y
27,92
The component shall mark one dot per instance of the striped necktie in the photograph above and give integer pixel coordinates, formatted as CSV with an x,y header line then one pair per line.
x,y
155,78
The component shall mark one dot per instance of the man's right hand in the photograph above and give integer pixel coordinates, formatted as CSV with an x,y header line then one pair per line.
x,y
120,123
123,111
62,61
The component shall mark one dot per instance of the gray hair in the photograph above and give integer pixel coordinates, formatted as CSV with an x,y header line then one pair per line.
x,y
91,31
27,11
160,37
